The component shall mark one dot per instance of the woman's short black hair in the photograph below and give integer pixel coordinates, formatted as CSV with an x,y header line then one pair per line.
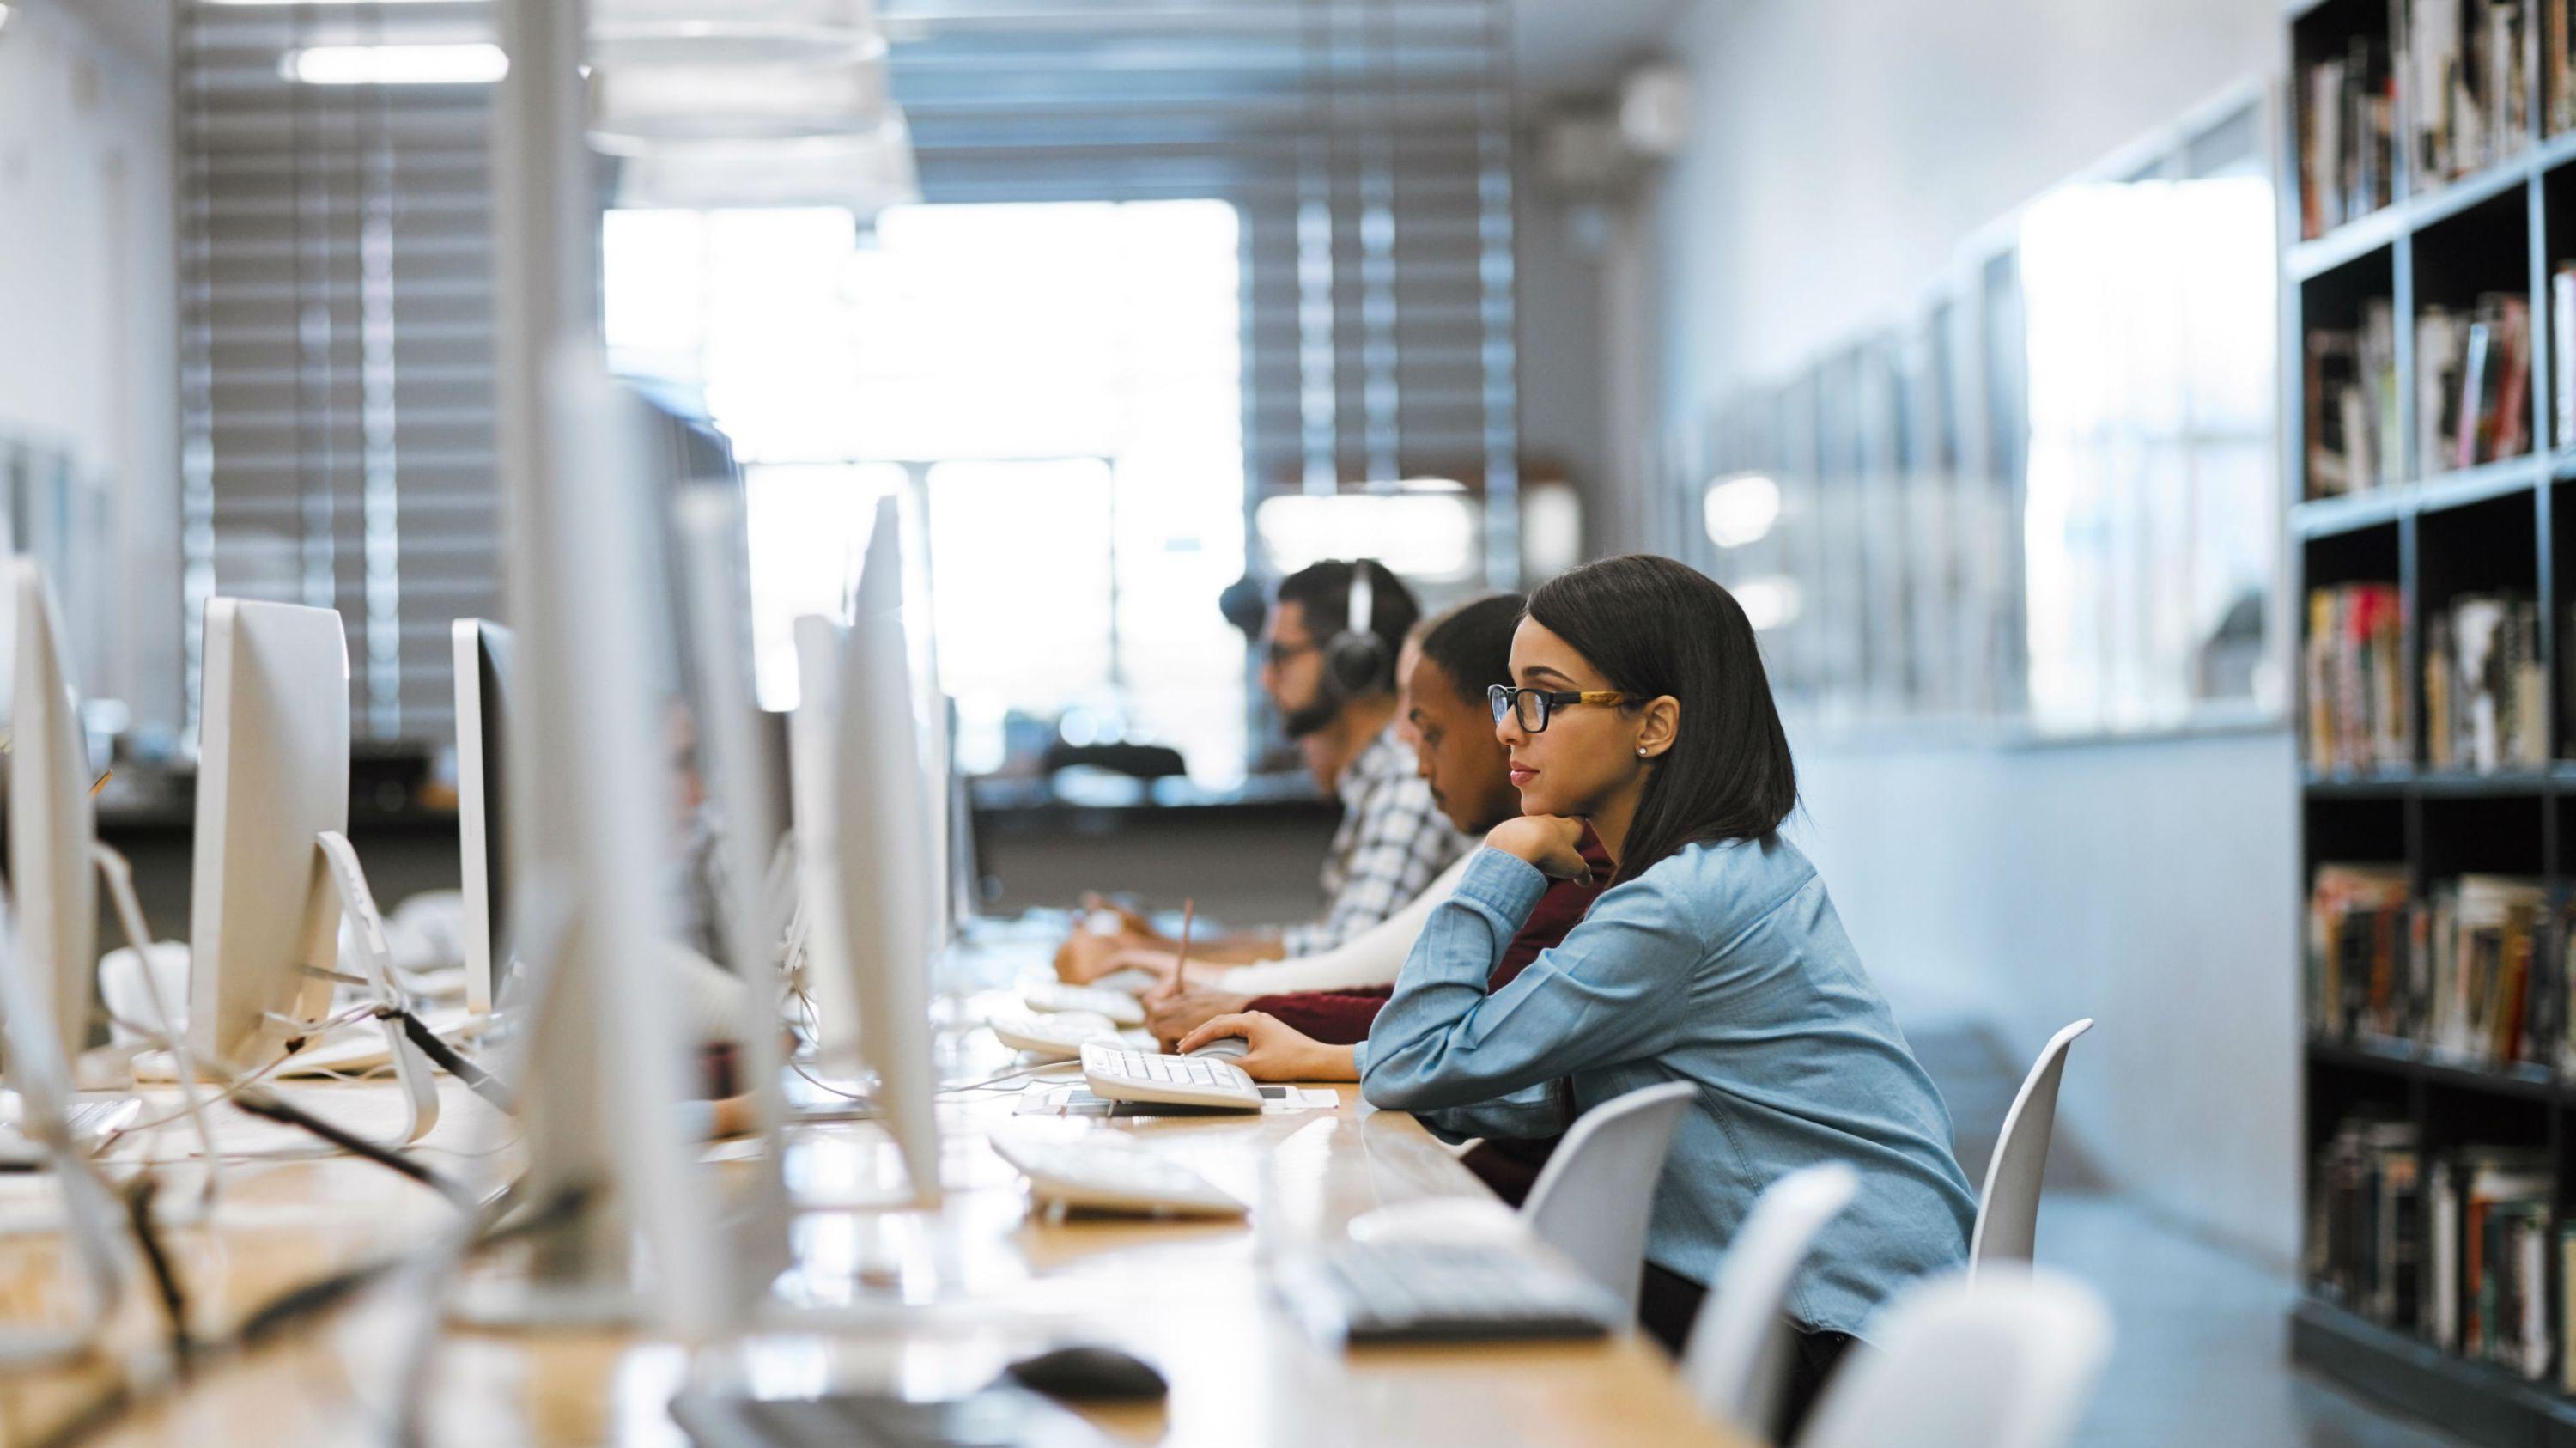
x,y
1652,627
1472,643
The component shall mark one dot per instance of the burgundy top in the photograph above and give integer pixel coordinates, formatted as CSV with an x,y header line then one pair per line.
x,y
1342,1017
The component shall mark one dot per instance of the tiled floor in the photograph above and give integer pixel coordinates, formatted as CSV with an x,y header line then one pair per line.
x,y
2201,1356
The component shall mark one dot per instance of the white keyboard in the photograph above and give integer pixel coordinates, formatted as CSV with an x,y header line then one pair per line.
x,y
1100,1174
1059,1036
1055,995
92,1122
1117,1074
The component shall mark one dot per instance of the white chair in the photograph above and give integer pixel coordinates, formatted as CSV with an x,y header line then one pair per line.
x,y
1592,1199
1738,1354
2008,1362
2008,1208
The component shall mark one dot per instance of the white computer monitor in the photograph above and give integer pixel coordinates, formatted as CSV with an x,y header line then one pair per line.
x,y
880,885
813,728
50,823
607,1055
482,663
272,775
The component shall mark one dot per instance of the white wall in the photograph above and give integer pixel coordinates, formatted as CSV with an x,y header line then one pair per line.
x,y
88,297
1847,147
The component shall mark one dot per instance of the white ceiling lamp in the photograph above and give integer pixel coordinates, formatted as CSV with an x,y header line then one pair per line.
x,y
637,106
463,63
863,173
1740,509
733,32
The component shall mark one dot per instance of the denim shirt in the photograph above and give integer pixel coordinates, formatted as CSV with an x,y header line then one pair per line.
x,y
1725,966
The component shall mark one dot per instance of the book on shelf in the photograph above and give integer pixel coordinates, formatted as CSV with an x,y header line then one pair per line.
x,y
2473,974
2466,78
2566,1307
2485,690
2451,1245
2562,343
2366,1232
2347,136
2352,404
2361,952
2356,679
2557,66
2472,383
2499,1235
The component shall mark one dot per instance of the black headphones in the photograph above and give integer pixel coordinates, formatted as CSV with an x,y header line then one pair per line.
x,y
1356,660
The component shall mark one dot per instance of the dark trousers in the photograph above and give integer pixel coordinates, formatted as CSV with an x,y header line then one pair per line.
x,y
1668,1303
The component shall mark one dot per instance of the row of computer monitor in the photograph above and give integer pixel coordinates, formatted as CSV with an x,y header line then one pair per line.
x,y
882,841
870,790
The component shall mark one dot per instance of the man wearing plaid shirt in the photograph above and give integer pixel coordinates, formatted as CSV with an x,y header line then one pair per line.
x,y
1393,841
1392,838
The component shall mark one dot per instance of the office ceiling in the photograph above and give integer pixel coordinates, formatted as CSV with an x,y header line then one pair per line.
x,y
1560,47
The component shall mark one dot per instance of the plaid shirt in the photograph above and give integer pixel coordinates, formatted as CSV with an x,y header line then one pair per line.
x,y
1392,841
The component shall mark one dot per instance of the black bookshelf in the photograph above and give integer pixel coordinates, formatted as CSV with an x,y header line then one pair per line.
x,y
2506,523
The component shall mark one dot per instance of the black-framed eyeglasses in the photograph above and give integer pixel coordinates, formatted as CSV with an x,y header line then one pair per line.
x,y
1279,654
1534,705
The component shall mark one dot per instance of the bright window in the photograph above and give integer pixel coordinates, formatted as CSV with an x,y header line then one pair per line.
x,y
1060,385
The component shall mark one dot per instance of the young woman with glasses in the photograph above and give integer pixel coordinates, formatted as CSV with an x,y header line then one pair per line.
x,y
1639,706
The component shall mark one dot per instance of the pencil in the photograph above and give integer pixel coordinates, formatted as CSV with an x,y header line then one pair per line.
x,y
1181,957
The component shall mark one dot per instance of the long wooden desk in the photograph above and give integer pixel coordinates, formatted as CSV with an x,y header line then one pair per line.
x,y
933,1300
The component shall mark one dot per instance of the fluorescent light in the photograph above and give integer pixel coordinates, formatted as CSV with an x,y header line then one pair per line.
x,y
638,106
1427,536
4,17
1740,510
737,32
471,63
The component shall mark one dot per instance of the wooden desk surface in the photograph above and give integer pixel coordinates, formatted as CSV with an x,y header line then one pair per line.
x,y
930,1300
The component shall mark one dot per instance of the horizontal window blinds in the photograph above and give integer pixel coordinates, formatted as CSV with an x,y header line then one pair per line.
x,y
336,343
336,267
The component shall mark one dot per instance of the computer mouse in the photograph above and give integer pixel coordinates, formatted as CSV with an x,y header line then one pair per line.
x,y
1087,1370
1224,1048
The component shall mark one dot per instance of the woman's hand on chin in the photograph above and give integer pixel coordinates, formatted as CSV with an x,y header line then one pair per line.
x,y
1553,843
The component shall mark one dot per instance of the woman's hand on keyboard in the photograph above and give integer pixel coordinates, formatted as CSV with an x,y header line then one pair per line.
x,y
1171,1015
1280,1052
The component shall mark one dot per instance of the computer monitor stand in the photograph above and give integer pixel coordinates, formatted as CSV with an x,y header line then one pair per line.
x,y
413,1074
101,1259
119,877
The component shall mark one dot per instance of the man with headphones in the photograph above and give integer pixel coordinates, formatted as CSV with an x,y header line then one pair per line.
x,y
1328,664
1328,656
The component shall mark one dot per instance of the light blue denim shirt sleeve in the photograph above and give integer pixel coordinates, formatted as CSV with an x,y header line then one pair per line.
x,y
1442,1042
1725,966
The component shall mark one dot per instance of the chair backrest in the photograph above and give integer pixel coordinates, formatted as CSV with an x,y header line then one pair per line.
x,y
2008,1362
1592,1200
1738,1351
2008,1207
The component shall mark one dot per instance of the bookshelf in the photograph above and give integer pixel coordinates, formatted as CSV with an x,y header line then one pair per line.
x,y
2473,235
